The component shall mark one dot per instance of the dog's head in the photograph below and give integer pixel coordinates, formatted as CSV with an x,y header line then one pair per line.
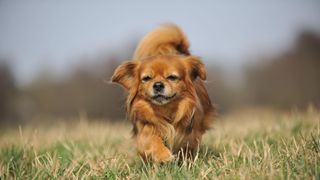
x,y
160,79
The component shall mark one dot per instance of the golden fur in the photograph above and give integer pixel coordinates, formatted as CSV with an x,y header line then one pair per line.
x,y
167,101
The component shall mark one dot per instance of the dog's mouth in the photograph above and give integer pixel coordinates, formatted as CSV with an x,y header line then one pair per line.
x,y
161,99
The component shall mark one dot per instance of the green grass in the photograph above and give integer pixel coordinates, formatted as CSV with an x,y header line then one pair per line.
x,y
255,144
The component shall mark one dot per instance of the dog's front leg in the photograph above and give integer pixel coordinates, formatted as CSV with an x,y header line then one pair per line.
x,y
150,144
185,113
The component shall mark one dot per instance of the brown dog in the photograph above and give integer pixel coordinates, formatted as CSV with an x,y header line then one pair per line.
x,y
167,101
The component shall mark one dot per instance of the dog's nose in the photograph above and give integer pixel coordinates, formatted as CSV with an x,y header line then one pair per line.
x,y
158,87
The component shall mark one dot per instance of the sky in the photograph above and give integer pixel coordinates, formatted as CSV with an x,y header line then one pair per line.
x,y
54,34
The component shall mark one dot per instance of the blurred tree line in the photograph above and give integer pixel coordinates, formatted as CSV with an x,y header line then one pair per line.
x,y
291,79
8,93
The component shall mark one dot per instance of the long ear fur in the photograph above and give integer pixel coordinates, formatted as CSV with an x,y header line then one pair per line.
x,y
195,68
125,74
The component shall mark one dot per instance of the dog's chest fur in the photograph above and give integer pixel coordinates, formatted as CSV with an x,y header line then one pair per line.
x,y
181,133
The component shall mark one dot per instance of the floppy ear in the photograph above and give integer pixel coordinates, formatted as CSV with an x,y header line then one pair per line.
x,y
196,68
125,74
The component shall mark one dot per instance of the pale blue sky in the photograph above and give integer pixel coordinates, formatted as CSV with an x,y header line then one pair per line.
x,y
53,33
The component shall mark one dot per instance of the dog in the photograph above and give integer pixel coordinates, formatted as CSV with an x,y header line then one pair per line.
x,y
167,101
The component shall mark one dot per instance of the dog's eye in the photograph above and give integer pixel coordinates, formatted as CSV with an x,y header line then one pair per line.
x,y
146,78
172,77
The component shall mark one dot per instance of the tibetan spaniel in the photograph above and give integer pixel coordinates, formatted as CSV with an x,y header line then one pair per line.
x,y
167,101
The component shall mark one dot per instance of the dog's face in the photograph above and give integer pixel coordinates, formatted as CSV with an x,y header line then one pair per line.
x,y
160,79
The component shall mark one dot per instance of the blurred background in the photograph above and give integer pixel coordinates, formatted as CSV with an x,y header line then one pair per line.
x,y
56,57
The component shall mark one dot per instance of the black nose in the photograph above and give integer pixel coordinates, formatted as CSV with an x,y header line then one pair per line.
x,y
158,87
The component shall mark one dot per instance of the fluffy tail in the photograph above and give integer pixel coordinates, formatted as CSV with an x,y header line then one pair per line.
x,y
166,39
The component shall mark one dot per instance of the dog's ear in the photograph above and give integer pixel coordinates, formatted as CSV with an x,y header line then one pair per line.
x,y
195,68
125,74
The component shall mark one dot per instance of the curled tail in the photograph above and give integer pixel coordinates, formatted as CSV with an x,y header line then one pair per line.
x,y
166,39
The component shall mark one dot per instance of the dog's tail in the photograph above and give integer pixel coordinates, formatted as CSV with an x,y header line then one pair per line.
x,y
166,39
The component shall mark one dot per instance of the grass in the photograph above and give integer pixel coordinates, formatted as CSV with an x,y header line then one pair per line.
x,y
253,144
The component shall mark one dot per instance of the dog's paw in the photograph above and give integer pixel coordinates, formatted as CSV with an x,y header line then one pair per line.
x,y
163,155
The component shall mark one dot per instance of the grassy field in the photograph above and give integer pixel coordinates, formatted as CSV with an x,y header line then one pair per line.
x,y
251,144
